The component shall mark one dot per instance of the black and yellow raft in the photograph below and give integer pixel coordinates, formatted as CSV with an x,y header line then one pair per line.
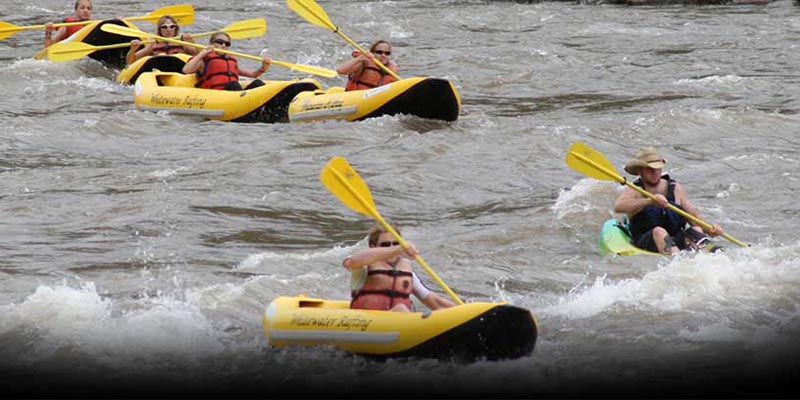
x,y
162,63
177,94
92,34
431,98
465,332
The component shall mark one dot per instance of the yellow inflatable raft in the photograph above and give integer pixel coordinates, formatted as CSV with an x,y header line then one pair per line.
x,y
431,98
176,93
93,35
466,332
162,63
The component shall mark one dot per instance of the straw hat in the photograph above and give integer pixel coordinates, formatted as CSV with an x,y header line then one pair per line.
x,y
645,157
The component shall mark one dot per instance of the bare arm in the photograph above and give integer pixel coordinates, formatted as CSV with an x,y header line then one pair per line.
x,y
353,66
683,199
136,53
196,62
191,50
49,38
436,302
631,202
255,73
373,254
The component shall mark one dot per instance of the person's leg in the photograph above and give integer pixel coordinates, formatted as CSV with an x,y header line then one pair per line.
x,y
401,308
234,86
664,242
254,84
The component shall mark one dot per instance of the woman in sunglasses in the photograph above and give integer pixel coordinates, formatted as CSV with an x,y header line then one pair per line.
x,y
382,277
362,72
167,26
221,71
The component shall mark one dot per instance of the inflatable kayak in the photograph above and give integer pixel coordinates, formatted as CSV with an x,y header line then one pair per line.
x,y
465,332
162,63
93,35
430,98
615,238
177,94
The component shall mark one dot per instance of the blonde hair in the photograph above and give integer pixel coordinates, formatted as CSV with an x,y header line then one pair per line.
x,y
375,232
78,2
218,34
378,42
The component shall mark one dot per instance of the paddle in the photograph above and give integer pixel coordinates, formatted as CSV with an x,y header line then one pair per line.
x,y
312,12
121,30
591,163
184,13
67,51
343,181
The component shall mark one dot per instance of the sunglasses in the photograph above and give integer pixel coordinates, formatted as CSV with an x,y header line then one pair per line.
x,y
388,244
222,42
381,52
169,26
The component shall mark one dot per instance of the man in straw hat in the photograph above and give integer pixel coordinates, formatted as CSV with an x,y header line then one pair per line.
x,y
654,226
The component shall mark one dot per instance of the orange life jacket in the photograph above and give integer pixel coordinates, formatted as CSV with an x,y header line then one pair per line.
x,y
371,77
218,71
167,48
376,295
74,28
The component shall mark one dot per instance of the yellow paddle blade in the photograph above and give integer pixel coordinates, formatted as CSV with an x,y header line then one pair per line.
x,y
246,29
591,163
240,30
7,29
183,13
41,54
67,51
343,181
312,12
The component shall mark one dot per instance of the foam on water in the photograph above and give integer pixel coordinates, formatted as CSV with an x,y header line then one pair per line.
x,y
79,320
734,291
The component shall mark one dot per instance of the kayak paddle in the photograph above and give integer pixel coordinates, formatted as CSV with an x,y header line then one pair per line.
x,y
125,31
314,13
594,164
67,51
344,182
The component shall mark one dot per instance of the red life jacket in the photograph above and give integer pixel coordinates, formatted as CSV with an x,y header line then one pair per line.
x,y
167,48
218,71
376,295
74,28
371,77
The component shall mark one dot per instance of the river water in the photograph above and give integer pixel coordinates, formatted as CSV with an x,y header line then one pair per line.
x,y
139,250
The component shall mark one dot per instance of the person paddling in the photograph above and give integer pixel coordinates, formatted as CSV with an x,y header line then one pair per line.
x,y
83,12
654,226
167,26
382,277
362,72
221,71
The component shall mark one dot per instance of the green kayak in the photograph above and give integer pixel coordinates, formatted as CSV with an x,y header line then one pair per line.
x,y
614,238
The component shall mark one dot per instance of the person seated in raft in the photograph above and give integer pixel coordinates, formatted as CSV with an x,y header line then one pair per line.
x,y
221,71
654,226
83,12
167,26
362,72
382,278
